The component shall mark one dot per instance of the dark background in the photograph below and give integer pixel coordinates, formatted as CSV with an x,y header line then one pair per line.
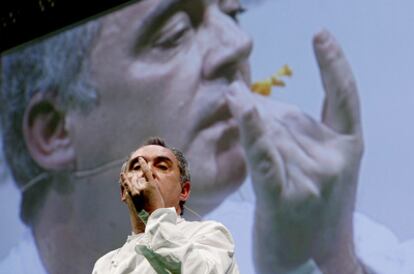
x,y
22,21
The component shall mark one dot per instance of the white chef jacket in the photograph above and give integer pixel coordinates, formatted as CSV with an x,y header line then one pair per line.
x,y
172,245
376,245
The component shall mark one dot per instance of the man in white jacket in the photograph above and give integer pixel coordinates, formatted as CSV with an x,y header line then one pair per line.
x,y
155,183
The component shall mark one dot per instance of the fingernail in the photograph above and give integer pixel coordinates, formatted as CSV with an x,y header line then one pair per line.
x,y
322,36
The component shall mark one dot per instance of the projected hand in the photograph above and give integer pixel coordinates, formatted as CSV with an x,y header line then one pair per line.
x,y
141,188
304,172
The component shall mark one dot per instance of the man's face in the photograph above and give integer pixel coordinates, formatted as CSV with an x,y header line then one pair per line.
x,y
164,168
161,68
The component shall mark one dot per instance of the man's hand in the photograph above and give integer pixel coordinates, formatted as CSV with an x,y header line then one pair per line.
x,y
304,172
141,187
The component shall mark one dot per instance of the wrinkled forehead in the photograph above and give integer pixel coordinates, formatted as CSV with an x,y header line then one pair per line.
x,y
151,152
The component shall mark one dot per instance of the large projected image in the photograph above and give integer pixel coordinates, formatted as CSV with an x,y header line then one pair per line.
x,y
284,182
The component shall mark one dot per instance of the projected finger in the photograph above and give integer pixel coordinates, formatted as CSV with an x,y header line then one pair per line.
x,y
341,110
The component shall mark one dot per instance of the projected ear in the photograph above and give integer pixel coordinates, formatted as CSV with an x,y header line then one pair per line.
x,y
45,134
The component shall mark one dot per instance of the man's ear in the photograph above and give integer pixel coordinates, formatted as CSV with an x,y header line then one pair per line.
x,y
45,134
185,191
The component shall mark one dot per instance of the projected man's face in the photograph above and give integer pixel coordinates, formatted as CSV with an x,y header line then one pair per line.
x,y
162,67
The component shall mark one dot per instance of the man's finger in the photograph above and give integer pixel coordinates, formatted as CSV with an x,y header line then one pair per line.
x,y
341,110
243,108
125,181
261,156
145,169
131,184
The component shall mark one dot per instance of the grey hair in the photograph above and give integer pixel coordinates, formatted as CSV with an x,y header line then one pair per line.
x,y
59,64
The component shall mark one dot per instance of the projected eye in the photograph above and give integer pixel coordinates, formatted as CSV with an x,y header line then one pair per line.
x,y
232,8
171,40
174,32
234,14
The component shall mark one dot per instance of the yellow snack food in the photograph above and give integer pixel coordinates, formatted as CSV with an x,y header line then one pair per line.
x,y
277,82
285,71
264,87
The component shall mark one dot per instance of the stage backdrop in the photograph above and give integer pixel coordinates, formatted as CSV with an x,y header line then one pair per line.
x,y
378,39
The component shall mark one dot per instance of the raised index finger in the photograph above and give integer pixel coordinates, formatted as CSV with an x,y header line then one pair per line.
x,y
145,169
341,110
